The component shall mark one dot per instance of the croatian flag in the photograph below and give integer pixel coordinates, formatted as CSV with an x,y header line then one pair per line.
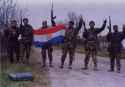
x,y
49,36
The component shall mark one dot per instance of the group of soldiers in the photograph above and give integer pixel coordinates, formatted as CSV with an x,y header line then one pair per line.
x,y
19,40
23,37
114,39
91,42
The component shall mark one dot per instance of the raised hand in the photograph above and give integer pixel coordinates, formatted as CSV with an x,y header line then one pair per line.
x,y
105,21
80,17
110,24
108,27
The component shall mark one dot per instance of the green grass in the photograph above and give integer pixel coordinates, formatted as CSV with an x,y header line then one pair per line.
x,y
12,68
41,78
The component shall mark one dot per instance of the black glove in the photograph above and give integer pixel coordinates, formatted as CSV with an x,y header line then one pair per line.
x,y
105,21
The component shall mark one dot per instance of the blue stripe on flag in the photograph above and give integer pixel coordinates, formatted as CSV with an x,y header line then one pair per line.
x,y
54,41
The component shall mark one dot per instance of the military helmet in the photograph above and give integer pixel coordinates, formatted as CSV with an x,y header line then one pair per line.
x,y
91,22
25,19
71,22
115,26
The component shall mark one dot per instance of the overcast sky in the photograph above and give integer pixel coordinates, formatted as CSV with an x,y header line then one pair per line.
x,y
97,10
72,1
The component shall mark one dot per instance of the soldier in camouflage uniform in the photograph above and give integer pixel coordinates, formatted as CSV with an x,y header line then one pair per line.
x,y
70,42
27,38
12,34
115,45
48,49
91,42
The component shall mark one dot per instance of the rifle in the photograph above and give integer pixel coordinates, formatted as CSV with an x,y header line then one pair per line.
x,y
21,25
84,24
21,19
110,25
52,15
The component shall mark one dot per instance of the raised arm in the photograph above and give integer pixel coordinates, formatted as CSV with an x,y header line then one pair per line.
x,y
53,20
79,25
85,30
110,25
109,35
102,28
110,30
123,31
53,17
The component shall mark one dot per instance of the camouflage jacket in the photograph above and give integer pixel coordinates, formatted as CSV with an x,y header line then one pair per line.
x,y
12,35
70,38
91,35
26,33
115,40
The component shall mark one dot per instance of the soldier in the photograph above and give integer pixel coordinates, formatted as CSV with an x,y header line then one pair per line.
x,y
12,34
47,49
70,40
115,45
91,42
27,38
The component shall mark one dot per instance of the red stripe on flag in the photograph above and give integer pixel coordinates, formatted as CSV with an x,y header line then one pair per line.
x,y
49,30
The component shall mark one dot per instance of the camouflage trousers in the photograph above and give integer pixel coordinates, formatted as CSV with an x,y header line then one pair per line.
x,y
47,51
13,50
65,51
115,58
90,51
26,49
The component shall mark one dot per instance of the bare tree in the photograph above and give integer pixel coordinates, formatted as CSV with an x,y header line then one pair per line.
x,y
9,10
72,16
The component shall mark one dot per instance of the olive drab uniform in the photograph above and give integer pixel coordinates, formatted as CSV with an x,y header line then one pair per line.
x,y
26,40
115,46
91,42
69,45
12,35
47,49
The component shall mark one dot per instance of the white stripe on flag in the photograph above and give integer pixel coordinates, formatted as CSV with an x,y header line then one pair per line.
x,y
45,38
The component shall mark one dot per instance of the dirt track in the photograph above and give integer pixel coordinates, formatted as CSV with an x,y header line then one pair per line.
x,y
79,78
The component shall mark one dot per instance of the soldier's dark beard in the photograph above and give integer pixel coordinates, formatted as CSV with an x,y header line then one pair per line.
x,y
14,27
116,30
92,29
25,24
70,27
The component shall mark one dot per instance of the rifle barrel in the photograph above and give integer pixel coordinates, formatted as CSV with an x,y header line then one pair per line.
x,y
110,25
